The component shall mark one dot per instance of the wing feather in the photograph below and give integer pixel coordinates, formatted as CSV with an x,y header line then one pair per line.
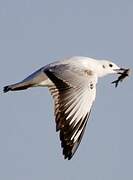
x,y
73,99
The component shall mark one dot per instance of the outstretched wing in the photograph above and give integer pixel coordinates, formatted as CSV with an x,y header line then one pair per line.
x,y
73,93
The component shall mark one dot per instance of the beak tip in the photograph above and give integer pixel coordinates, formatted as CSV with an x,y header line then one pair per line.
x,y
125,71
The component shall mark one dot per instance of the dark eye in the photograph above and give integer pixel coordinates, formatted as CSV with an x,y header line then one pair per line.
x,y
110,65
103,66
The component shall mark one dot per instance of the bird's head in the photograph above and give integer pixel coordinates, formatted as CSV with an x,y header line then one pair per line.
x,y
105,67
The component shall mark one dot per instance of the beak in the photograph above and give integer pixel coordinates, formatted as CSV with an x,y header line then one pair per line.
x,y
120,70
123,74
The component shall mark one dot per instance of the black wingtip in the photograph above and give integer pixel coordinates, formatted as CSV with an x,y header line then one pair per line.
x,y
6,89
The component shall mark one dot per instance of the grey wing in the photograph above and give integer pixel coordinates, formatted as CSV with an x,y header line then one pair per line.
x,y
73,98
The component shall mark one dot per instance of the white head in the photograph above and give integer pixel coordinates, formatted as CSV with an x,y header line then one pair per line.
x,y
104,67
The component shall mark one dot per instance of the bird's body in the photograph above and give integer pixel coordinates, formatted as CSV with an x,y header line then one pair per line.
x,y
72,83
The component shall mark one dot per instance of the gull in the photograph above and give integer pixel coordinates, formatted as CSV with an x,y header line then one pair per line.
x,y
72,83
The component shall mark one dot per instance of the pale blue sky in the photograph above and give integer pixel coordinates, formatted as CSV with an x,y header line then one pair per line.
x,y
34,33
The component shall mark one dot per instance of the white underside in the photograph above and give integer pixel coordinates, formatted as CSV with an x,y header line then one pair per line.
x,y
46,83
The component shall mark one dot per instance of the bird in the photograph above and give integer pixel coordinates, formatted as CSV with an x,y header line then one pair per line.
x,y
72,84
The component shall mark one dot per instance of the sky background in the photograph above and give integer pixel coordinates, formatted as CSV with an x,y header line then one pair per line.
x,y
35,33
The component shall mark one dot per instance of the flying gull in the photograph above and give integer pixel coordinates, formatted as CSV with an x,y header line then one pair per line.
x,y
72,83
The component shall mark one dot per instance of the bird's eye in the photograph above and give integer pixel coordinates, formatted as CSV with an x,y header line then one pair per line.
x,y
110,65
103,66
